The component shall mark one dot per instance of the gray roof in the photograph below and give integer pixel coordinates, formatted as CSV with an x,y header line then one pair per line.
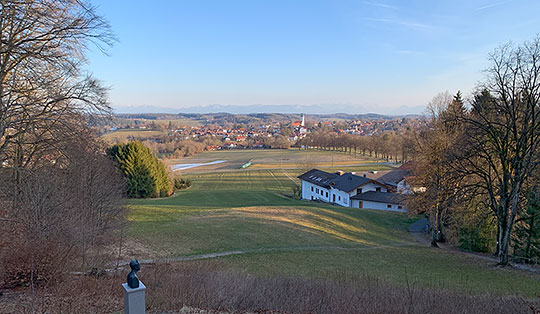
x,y
381,197
348,182
394,177
375,175
318,177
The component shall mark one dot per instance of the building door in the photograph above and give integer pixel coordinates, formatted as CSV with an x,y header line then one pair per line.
x,y
360,204
334,198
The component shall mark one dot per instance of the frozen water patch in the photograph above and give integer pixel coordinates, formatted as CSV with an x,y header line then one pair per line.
x,y
179,167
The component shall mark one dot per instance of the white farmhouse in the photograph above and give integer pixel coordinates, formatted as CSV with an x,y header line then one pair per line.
x,y
349,190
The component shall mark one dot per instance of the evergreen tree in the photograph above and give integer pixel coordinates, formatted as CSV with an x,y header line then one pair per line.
x,y
146,175
527,240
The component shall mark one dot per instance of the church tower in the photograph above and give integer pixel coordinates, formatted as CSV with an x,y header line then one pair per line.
x,y
303,121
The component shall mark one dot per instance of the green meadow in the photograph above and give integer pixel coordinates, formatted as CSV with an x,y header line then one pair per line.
x,y
247,215
292,159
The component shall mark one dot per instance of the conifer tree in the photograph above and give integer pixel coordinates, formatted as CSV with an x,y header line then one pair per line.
x,y
146,175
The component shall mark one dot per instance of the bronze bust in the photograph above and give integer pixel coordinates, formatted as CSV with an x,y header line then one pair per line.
x,y
132,279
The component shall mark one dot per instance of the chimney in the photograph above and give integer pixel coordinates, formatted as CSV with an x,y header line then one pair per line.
x,y
340,173
365,174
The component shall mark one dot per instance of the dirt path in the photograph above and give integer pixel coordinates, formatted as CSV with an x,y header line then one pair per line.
x,y
264,250
418,231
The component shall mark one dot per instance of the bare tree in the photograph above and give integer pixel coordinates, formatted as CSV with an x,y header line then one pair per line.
x,y
500,149
42,50
434,170
59,193
67,207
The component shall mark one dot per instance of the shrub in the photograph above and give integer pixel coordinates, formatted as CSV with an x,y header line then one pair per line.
x,y
297,191
180,183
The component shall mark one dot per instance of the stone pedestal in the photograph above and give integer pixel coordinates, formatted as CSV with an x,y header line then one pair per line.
x,y
134,299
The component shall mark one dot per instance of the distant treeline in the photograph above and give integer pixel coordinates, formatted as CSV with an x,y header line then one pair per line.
x,y
388,145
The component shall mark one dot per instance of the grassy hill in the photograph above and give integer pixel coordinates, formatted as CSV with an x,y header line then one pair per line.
x,y
245,216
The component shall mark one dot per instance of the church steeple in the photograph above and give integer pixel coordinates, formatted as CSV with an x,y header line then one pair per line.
x,y
303,120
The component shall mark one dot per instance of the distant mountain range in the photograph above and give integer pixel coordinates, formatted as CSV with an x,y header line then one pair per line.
x,y
251,118
286,109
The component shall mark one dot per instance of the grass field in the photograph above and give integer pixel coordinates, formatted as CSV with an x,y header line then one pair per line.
x,y
122,135
246,211
290,159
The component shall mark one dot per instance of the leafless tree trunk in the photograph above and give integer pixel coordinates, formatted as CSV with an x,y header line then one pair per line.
x,y
503,134
57,189
434,171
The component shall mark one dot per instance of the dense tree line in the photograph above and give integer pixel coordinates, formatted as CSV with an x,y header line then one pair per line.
x,y
169,147
279,142
145,174
479,163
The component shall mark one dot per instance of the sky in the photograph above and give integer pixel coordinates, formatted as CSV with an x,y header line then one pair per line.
x,y
317,56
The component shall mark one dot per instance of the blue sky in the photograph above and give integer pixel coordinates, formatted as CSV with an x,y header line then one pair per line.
x,y
387,57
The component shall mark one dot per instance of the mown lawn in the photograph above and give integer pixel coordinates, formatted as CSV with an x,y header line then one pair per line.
x,y
247,211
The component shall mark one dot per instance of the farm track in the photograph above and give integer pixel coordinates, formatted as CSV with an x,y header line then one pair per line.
x,y
276,179
265,250
288,175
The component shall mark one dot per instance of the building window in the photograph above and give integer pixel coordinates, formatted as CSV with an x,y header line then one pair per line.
x,y
339,198
388,206
326,194
317,191
359,191
311,189
378,189
399,207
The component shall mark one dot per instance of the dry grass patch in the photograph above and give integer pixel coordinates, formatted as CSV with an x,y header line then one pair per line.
x,y
307,220
206,286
